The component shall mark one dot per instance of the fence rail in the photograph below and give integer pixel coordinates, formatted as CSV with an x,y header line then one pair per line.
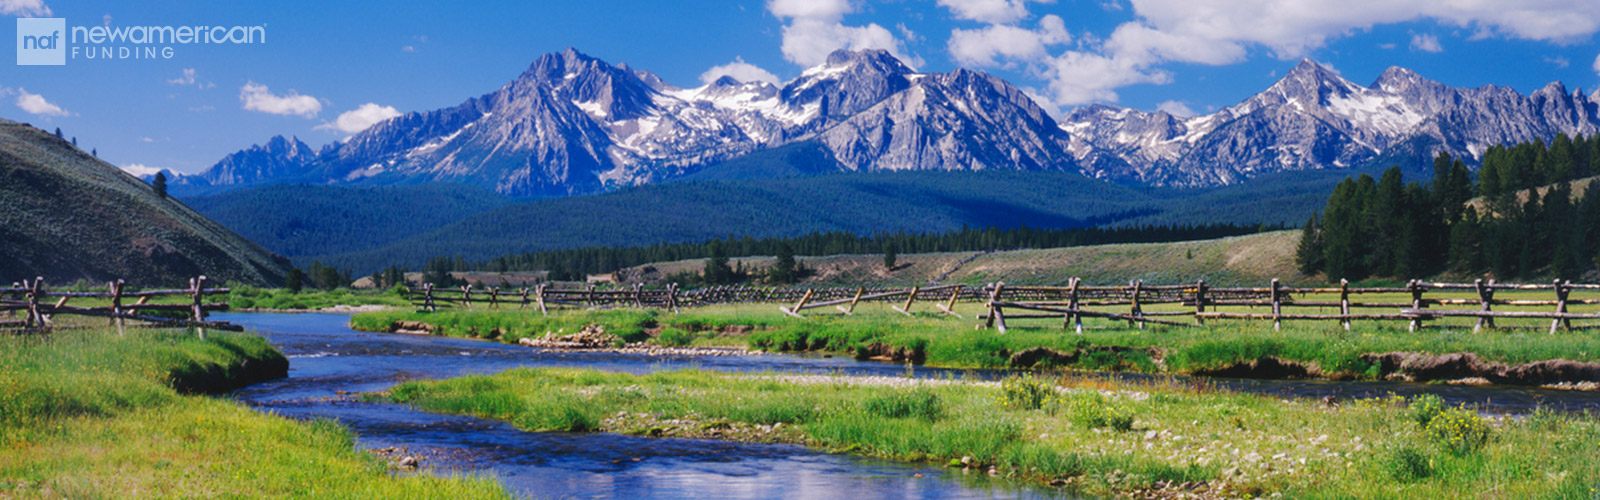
x,y
34,299
1199,301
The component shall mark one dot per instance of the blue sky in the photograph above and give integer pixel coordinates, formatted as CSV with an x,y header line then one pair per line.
x,y
328,68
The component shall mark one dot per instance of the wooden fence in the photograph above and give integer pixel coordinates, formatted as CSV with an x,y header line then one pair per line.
x,y
40,305
1136,303
1070,304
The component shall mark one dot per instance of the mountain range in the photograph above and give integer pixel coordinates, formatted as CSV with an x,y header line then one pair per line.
x,y
573,124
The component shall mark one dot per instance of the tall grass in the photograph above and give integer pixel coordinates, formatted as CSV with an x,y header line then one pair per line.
x,y
953,342
91,414
1099,437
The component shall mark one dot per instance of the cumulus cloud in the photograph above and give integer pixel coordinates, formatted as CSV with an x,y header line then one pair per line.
x,y
1597,65
1176,108
1426,43
982,47
1219,32
360,118
188,77
990,11
741,71
815,28
257,97
36,104
24,8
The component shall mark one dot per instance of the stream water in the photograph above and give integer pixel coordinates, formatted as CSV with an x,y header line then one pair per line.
x,y
327,358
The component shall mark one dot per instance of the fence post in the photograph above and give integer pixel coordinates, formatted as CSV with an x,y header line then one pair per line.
x,y
638,301
524,292
494,297
1416,303
427,297
539,292
466,295
672,296
588,297
851,311
950,307
1135,311
1277,307
116,305
198,294
1344,302
994,295
1200,302
1072,303
910,297
34,291
795,311
1561,306
1486,301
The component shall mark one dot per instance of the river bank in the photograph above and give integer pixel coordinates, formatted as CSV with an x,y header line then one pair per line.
x,y
89,413
1088,436
1564,360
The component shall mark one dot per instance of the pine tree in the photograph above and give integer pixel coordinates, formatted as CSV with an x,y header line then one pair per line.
x,y
160,185
295,281
58,133
716,269
1308,256
889,256
1466,254
783,268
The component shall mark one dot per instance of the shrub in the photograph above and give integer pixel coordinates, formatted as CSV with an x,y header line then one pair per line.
x,y
1093,410
1119,417
673,337
1025,392
1425,408
919,403
1406,464
1459,430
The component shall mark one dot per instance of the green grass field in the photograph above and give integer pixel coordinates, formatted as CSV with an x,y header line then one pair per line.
x,y
955,342
1089,437
92,414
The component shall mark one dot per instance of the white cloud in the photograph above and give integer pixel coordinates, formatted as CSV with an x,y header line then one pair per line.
x,y
146,139
1597,65
36,104
257,97
1558,61
741,71
1219,32
1426,43
1176,108
815,29
187,78
990,11
24,8
408,48
981,47
360,118
141,170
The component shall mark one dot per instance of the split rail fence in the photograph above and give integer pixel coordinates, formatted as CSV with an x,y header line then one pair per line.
x,y
1136,303
39,305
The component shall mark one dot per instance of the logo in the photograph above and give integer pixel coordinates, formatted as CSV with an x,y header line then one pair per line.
x,y
42,41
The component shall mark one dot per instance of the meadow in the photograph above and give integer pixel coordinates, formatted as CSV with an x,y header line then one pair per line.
x,y
1325,348
1090,436
88,413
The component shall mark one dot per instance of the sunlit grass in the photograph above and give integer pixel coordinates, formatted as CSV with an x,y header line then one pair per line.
x,y
91,414
1097,437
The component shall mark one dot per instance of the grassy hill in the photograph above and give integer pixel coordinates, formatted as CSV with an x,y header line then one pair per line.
x,y
1236,261
1579,187
70,216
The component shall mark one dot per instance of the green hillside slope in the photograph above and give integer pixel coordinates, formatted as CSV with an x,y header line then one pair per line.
x,y
1252,260
66,216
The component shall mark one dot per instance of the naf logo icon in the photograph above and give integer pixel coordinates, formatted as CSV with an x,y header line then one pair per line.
x,y
42,41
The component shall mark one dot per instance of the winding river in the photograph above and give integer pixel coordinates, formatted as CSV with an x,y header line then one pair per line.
x,y
329,360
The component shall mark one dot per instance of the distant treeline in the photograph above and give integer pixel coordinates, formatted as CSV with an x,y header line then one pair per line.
x,y
1389,228
573,264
